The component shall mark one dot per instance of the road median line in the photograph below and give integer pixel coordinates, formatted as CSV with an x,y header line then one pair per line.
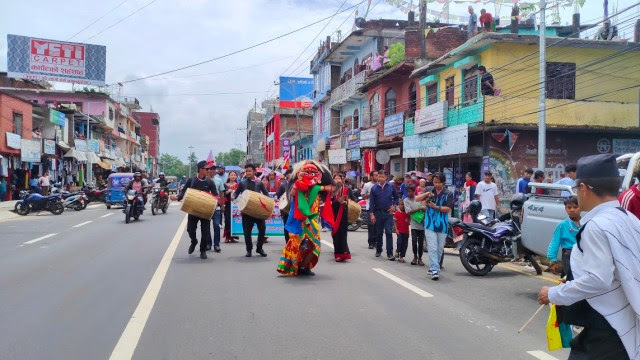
x,y
82,224
39,239
130,337
403,283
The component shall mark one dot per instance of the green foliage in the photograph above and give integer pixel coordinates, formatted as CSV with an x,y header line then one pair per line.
x,y
231,157
193,162
396,54
172,166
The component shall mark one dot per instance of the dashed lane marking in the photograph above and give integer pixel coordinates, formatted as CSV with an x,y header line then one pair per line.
x,y
92,206
327,243
129,339
541,355
39,239
403,283
105,215
82,224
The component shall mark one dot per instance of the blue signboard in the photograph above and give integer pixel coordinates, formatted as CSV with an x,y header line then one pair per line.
x,y
394,124
296,92
58,118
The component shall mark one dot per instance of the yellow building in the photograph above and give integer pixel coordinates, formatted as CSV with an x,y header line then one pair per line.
x,y
592,105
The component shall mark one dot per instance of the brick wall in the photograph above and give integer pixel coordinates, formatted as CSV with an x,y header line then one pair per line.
x,y
401,86
444,40
412,44
9,105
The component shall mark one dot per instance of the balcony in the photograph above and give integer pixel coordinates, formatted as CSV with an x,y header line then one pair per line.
x,y
131,103
348,90
466,113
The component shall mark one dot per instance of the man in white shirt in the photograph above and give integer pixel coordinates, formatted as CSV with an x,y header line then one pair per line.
x,y
602,291
487,193
366,193
45,183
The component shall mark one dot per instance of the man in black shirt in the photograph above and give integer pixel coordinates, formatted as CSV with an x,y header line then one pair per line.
x,y
486,82
203,183
250,182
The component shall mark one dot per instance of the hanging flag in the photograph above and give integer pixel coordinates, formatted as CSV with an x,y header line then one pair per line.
x,y
559,334
211,160
512,137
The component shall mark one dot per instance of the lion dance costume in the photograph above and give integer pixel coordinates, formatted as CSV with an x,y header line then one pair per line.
x,y
305,216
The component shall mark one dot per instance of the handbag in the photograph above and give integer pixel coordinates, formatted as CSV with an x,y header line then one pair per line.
x,y
418,216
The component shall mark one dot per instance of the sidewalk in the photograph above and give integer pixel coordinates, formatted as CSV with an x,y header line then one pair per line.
x,y
6,210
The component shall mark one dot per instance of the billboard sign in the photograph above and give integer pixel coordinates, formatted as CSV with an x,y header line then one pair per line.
x,y
50,60
449,141
30,150
369,138
94,146
286,146
49,147
81,145
337,156
393,124
296,92
353,139
432,117
58,118
13,140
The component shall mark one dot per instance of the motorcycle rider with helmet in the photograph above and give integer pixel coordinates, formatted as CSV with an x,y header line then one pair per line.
x,y
138,184
162,180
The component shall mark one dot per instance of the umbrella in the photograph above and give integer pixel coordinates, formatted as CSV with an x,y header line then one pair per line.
x,y
419,174
263,170
353,174
233,168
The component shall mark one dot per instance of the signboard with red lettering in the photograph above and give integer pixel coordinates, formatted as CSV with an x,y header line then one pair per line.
x,y
50,60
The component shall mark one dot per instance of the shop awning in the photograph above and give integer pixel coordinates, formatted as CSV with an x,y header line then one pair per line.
x,y
92,157
75,154
104,165
63,145
120,162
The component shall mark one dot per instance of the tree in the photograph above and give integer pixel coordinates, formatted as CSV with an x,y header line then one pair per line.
x,y
396,54
232,157
172,166
193,161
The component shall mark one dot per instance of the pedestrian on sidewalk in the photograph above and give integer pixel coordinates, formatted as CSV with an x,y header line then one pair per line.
x,y
439,204
250,182
199,182
217,215
339,204
3,188
383,205
416,211
45,183
601,292
366,194
401,219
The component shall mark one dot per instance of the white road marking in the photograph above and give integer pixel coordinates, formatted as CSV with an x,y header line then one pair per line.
x,y
407,285
541,355
82,224
94,206
129,339
39,239
327,243
105,215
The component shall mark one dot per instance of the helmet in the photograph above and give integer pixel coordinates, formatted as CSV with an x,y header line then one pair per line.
x,y
517,202
184,177
475,207
161,174
137,174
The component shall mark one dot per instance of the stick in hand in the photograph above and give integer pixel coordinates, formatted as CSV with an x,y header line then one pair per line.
x,y
531,318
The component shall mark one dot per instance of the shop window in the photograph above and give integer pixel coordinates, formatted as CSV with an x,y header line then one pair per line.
x,y
356,119
470,84
432,94
17,123
390,102
110,113
413,99
561,80
449,84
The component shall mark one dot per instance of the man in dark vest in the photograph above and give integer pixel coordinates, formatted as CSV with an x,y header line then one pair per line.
x,y
203,183
250,182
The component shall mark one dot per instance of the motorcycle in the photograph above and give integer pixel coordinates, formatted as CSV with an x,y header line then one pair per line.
x,y
133,205
36,202
363,221
92,194
73,201
159,200
487,242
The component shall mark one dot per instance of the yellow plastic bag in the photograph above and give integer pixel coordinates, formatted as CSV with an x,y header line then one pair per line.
x,y
554,340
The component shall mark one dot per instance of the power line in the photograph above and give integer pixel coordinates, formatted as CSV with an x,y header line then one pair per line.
x,y
98,19
237,51
123,19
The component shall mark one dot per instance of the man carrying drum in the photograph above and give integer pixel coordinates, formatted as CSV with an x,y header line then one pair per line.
x,y
250,182
203,183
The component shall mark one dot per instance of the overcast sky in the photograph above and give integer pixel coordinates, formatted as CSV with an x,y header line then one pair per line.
x,y
169,34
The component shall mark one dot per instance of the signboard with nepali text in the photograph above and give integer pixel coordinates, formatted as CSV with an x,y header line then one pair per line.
x,y
51,60
49,147
13,140
58,118
393,124
449,141
432,117
30,150
296,92
369,138
274,224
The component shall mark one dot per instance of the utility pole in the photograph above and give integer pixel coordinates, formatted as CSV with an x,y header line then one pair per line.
x,y
190,152
89,164
422,27
542,120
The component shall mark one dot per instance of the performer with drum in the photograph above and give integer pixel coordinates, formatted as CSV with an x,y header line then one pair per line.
x,y
203,183
250,182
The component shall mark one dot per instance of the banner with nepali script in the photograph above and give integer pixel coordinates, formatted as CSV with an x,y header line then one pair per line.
x,y
275,226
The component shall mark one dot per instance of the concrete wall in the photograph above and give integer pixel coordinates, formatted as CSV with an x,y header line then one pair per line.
x,y
9,105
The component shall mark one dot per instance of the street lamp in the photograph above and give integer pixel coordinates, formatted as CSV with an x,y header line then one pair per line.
x,y
189,158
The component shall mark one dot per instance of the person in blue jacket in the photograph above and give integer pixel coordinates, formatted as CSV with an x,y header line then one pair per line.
x,y
564,236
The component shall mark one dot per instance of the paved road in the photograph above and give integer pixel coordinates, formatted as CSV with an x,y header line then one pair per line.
x,y
72,296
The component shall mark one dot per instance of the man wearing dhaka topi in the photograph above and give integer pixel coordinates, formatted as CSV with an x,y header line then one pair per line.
x,y
312,184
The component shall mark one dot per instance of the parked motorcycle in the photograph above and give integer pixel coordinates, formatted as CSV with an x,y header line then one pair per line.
x,y
94,195
160,200
133,205
487,242
363,221
36,202
73,201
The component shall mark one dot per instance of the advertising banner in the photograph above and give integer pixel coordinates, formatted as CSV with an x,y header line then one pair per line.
x,y
81,145
626,146
52,60
449,141
49,147
93,145
369,138
30,150
296,92
353,139
432,117
57,118
286,146
393,124
337,156
353,154
13,140
409,127
274,224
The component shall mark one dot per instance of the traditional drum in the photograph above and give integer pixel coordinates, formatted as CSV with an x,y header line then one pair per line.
x,y
354,211
255,205
199,203
283,203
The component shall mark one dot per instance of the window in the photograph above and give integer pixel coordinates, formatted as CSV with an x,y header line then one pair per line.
x,y
17,123
449,84
390,102
561,80
413,99
356,119
470,84
432,94
110,113
374,109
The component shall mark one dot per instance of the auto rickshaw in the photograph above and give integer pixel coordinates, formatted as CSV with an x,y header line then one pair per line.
x,y
115,188
173,184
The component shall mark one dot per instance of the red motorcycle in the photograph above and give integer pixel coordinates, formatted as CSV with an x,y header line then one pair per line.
x,y
160,200
93,195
